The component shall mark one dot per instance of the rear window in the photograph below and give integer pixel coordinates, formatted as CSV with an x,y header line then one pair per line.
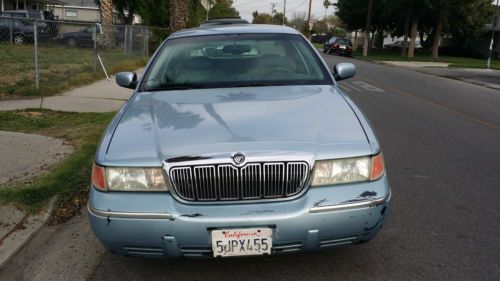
x,y
343,41
235,60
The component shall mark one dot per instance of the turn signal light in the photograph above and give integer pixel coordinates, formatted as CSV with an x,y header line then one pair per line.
x,y
99,177
378,167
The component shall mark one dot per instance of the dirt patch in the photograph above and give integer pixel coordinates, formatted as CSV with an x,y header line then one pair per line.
x,y
27,156
10,80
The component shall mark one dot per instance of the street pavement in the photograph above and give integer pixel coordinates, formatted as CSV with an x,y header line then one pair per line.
x,y
441,143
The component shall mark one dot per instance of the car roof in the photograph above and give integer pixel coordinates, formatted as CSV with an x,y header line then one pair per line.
x,y
232,29
222,21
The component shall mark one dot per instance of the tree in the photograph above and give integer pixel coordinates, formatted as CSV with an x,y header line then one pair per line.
x,y
261,18
107,36
298,20
155,12
223,9
179,11
278,19
131,6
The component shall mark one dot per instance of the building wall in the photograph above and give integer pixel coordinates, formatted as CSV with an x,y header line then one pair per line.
x,y
77,13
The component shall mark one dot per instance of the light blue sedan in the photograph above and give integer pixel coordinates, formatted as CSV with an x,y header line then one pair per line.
x,y
237,141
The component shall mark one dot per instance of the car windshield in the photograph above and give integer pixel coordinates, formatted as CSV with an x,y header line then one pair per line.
x,y
235,60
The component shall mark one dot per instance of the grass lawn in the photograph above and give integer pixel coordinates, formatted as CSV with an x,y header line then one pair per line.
x,y
61,68
70,179
394,55
318,46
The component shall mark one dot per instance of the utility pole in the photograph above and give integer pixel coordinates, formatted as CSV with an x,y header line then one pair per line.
x,y
272,11
367,29
284,11
493,27
309,19
208,8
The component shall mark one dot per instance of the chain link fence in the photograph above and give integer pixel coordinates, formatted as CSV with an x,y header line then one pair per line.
x,y
48,57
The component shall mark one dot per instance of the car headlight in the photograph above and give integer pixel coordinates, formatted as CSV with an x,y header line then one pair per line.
x,y
348,170
128,179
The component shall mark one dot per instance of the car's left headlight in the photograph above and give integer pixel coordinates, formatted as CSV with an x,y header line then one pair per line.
x,y
128,179
348,170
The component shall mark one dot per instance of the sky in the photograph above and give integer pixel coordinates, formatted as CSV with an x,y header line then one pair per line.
x,y
247,7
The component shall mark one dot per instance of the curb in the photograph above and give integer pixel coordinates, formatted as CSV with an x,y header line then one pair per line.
x,y
18,245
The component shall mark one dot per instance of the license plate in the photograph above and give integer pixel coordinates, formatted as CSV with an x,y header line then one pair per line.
x,y
342,47
241,242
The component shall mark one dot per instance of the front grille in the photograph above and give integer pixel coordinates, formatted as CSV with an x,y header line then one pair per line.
x,y
225,182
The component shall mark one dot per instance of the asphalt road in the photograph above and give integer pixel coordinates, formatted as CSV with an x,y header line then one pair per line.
x,y
441,142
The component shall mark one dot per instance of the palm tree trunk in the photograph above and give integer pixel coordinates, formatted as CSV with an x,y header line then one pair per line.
x,y
107,38
179,10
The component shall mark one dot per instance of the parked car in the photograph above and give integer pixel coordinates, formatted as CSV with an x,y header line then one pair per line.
x,y
399,44
339,46
22,30
86,36
250,150
29,14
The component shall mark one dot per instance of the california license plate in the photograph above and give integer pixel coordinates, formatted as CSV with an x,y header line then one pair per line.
x,y
241,242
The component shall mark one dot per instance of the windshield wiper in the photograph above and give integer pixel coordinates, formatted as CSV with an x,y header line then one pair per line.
x,y
251,84
174,86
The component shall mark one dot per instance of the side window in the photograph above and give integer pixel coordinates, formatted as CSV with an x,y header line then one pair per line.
x,y
18,15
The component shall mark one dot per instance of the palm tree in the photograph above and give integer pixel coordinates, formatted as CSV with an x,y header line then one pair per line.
x,y
107,22
179,11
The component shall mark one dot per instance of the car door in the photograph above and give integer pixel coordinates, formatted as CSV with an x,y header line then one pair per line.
x,y
86,37
4,29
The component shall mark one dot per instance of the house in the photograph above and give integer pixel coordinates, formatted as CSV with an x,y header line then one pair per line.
x,y
84,10
28,4
78,10
67,10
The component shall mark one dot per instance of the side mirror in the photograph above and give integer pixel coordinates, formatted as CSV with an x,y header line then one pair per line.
x,y
343,70
126,79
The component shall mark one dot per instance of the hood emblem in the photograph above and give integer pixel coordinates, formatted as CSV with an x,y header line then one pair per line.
x,y
238,158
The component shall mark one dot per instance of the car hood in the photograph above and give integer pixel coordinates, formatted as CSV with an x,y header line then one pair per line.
x,y
160,125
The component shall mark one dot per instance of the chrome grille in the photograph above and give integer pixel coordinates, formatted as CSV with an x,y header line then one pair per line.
x,y
225,182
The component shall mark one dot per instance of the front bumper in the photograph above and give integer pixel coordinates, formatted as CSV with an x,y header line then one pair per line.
x,y
157,225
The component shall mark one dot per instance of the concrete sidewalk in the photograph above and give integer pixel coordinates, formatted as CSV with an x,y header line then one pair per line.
x,y
27,155
101,96
484,77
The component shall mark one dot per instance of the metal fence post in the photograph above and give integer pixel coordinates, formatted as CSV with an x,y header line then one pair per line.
x,y
125,42
130,40
143,41
147,41
95,48
11,32
37,82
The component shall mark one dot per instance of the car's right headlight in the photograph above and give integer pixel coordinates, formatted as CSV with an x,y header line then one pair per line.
x,y
348,170
128,179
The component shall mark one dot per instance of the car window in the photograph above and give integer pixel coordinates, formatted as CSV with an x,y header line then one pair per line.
x,y
90,29
343,41
34,16
18,15
332,39
233,60
4,22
